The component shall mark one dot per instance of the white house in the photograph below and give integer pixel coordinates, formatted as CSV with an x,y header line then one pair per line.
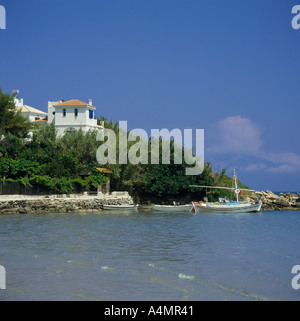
x,y
69,116
34,115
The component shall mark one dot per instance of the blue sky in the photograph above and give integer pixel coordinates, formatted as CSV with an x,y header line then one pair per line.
x,y
228,66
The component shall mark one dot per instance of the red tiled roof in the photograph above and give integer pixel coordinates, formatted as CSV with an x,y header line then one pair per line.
x,y
28,109
72,102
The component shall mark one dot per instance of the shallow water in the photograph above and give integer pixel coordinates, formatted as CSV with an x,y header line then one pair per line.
x,y
150,256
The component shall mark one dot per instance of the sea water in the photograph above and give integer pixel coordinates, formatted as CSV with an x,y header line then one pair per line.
x,y
150,256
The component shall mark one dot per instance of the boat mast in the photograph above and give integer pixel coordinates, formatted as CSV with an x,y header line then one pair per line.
x,y
236,187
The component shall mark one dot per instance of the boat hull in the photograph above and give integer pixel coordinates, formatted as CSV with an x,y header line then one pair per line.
x,y
120,207
236,208
172,208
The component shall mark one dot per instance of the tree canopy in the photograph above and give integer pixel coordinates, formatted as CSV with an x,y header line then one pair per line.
x,y
11,120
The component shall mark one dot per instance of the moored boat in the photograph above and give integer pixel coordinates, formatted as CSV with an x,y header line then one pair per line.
x,y
120,207
226,206
173,208
230,207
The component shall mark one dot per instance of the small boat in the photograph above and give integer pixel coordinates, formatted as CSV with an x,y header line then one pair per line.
x,y
172,208
230,207
120,207
226,206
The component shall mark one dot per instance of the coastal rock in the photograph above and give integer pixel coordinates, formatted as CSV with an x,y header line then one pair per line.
x,y
282,201
296,202
273,202
271,196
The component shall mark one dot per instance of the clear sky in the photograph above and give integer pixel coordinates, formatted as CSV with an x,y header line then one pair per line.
x,y
230,67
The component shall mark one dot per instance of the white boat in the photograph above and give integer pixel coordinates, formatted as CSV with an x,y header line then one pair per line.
x,y
230,207
173,208
120,207
226,206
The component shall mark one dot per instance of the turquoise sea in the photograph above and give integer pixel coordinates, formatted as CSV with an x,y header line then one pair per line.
x,y
150,256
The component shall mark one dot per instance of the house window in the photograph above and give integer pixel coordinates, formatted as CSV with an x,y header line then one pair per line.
x,y
64,113
76,112
70,130
91,114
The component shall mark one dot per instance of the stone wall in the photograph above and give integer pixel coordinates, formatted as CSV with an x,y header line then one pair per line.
x,y
24,205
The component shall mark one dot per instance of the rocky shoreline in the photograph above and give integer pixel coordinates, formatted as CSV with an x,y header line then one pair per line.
x,y
22,204
17,204
282,202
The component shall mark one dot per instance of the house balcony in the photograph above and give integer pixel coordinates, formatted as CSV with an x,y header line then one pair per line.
x,y
95,124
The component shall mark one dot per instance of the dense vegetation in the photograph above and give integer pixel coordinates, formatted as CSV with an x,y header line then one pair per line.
x,y
68,163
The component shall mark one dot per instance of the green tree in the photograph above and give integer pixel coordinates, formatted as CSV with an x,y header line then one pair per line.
x,y
11,119
82,146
